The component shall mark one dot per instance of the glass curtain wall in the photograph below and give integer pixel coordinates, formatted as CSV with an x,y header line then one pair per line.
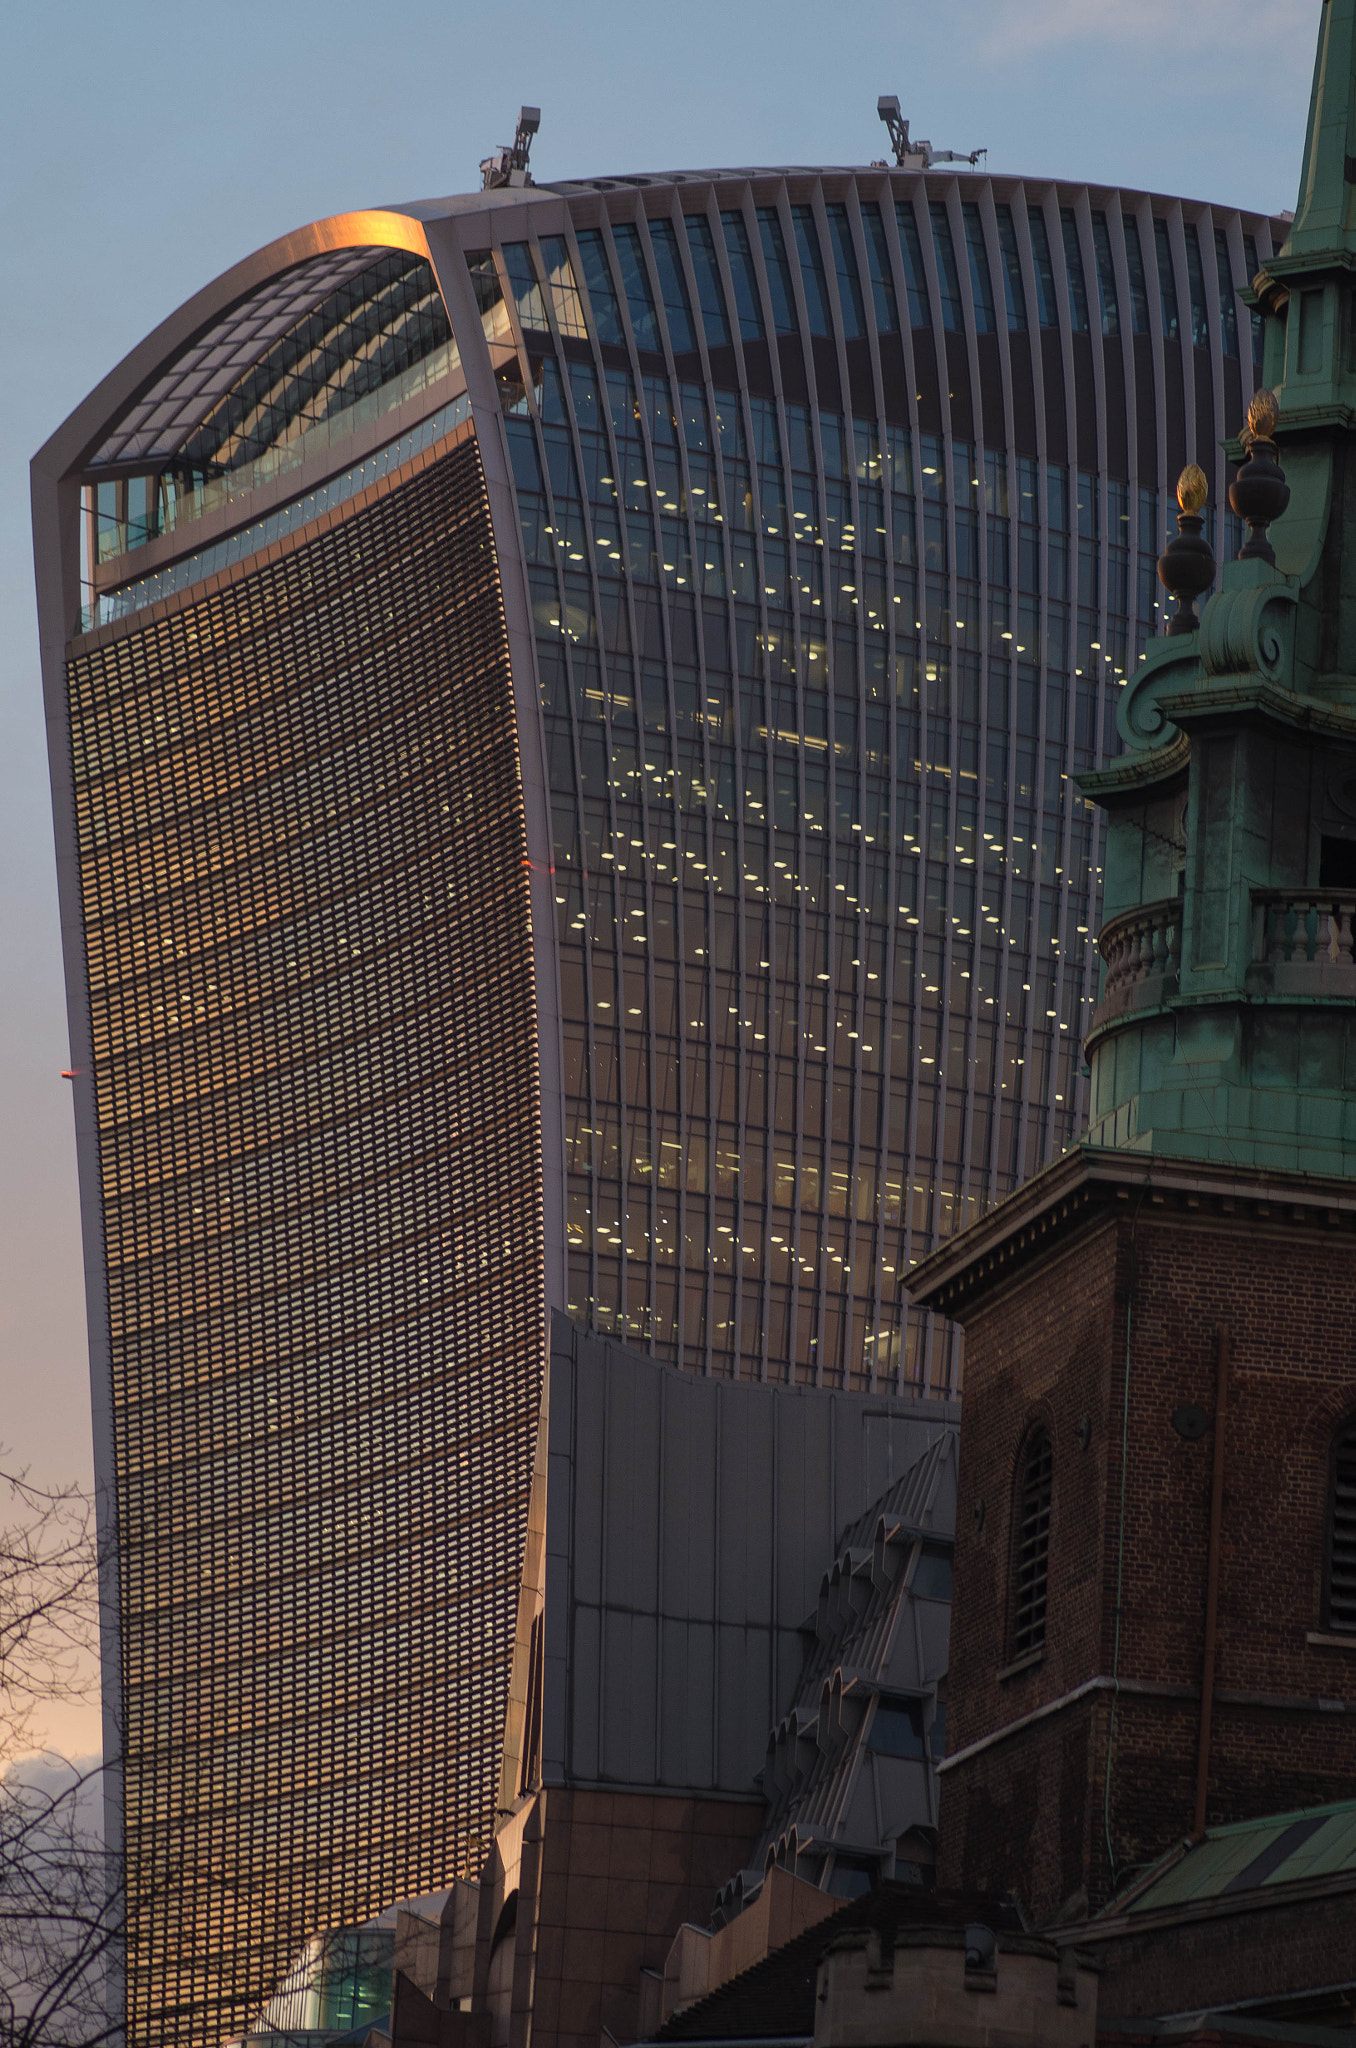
x,y
815,687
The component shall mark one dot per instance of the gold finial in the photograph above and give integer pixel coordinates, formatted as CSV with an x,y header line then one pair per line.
x,y
1192,488
1263,412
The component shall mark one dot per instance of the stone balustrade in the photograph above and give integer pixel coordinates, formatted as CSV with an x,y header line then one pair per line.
x,y
1142,949
1303,929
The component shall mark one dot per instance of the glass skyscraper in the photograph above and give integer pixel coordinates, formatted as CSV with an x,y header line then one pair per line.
x,y
565,706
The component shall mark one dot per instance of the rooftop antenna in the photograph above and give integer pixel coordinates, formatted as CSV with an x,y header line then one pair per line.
x,y
508,166
917,156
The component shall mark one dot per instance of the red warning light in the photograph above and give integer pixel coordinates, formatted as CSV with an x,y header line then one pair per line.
x,y
69,1073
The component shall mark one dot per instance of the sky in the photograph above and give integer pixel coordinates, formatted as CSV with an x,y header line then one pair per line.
x,y
147,146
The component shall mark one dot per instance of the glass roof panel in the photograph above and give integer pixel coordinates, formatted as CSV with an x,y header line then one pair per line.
x,y
303,347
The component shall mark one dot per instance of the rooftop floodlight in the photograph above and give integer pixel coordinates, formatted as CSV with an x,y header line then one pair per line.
x,y
508,166
917,156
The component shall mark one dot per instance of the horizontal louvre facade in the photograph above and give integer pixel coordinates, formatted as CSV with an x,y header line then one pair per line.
x,y
301,840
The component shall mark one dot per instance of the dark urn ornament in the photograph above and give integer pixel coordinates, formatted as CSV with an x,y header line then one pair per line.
x,y
1187,565
1259,493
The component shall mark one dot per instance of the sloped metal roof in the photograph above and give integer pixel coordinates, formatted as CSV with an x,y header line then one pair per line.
x,y
1252,1855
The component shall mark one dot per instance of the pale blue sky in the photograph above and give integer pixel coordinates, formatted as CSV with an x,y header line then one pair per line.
x,y
145,146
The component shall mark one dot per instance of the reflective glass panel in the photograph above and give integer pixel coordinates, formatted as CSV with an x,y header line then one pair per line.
x,y
740,257
636,284
1106,275
562,287
1073,263
953,315
845,262
878,258
897,1728
1250,257
1228,316
981,285
607,318
1046,297
813,281
915,275
1014,290
522,279
778,269
672,285
1139,290
702,244
1200,316
1167,281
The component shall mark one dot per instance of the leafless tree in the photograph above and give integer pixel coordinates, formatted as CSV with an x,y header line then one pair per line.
x,y
60,1902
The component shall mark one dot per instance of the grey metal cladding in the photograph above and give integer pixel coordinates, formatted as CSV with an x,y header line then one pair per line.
x,y
677,1591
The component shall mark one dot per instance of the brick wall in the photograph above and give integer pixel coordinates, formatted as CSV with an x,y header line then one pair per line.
x,y
1048,1343
1259,1952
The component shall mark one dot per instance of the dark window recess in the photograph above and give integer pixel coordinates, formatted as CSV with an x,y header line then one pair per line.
x,y
932,1573
878,259
636,284
914,273
896,1728
981,286
1255,315
1033,1546
1167,281
1311,332
851,1875
1337,864
702,244
1228,316
1044,268
845,263
1200,318
1073,263
778,270
672,287
1106,275
1139,290
598,283
740,256
812,276
948,276
1013,288
1341,1615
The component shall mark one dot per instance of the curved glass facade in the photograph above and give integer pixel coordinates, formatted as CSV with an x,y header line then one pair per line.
x,y
840,529
775,557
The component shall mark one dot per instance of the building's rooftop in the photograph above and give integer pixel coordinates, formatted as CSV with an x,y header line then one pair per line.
x,y
1278,1849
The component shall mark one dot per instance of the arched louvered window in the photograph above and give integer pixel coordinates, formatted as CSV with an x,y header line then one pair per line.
x,y
1032,1547
1341,1616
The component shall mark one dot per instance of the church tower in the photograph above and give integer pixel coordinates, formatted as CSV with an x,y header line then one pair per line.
x,y
1155,1617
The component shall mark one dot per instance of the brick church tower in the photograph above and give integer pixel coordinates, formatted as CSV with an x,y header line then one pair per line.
x,y
1155,1616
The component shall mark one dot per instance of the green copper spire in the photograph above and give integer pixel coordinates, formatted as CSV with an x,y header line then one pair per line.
x,y
1325,218
1226,1028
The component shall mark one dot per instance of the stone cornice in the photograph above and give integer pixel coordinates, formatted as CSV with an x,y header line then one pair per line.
x,y
1090,1182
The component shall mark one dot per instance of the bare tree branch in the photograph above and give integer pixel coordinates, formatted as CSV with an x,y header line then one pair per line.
x,y
61,1904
